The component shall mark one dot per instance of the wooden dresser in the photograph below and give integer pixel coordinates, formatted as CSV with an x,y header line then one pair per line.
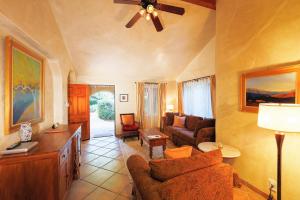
x,y
47,171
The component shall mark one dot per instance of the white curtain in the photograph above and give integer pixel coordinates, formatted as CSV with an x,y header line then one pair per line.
x,y
197,98
151,107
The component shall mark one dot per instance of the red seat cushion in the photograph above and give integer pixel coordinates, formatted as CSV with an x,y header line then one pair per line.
x,y
133,127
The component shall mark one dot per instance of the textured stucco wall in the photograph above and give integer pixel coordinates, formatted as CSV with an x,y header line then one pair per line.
x,y
36,21
253,34
202,65
32,23
48,118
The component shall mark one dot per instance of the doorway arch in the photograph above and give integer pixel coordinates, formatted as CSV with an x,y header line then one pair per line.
x,y
102,110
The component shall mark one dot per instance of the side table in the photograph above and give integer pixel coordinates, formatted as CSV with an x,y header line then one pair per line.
x,y
227,151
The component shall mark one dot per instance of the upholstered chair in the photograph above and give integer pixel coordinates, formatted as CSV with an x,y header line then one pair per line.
x,y
130,128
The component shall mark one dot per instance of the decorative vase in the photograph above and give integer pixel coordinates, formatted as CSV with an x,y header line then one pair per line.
x,y
25,132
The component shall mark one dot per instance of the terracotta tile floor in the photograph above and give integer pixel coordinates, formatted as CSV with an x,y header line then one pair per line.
x,y
104,175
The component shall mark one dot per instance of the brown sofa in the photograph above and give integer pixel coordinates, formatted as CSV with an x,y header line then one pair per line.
x,y
203,176
196,130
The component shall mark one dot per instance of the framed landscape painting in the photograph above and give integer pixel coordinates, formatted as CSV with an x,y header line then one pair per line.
x,y
279,85
24,95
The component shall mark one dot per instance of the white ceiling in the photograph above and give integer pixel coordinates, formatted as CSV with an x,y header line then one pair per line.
x,y
100,46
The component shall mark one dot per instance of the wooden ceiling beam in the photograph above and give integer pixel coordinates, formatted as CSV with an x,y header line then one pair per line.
x,y
205,3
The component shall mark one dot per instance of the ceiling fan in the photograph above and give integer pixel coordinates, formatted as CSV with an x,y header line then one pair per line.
x,y
149,9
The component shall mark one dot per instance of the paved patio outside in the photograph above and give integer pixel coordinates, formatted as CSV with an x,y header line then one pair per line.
x,y
100,127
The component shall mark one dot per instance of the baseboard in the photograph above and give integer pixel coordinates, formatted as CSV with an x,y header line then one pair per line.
x,y
254,189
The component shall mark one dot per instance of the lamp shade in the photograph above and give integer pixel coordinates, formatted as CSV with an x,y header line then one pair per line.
x,y
170,107
279,117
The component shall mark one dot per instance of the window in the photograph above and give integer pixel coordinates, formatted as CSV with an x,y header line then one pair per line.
x,y
197,98
151,110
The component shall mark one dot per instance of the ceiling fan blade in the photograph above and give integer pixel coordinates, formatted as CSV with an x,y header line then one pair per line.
x,y
132,2
133,20
171,9
157,23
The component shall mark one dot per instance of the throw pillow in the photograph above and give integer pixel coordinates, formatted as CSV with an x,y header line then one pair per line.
x,y
181,152
170,118
179,121
192,121
163,170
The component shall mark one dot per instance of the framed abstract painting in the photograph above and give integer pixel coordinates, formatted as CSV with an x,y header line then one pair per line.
x,y
24,95
279,85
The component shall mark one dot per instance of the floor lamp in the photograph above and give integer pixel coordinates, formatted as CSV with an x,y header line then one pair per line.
x,y
282,118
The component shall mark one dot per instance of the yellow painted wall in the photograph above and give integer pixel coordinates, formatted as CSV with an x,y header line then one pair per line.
x,y
34,18
32,23
253,34
202,65
6,140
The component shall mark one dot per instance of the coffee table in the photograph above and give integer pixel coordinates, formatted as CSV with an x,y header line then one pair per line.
x,y
146,135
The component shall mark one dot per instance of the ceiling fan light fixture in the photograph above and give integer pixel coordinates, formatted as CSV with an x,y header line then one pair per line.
x,y
150,8
142,11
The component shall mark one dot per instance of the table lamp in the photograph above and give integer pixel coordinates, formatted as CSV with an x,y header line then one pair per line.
x,y
282,118
170,108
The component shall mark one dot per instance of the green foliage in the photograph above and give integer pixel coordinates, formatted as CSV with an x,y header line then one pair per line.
x,y
93,101
106,110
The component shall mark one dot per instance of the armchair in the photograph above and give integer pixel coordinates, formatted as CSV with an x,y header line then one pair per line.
x,y
130,128
202,176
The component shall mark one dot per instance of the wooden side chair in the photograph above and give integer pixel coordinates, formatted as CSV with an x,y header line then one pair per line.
x,y
130,128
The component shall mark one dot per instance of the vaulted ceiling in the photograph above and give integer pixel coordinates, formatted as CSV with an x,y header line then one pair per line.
x,y
100,46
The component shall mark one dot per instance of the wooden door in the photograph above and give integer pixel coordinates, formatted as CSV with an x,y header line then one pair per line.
x,y
79,107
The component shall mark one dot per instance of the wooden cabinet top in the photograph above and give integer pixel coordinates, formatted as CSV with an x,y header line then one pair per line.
x,y
49,141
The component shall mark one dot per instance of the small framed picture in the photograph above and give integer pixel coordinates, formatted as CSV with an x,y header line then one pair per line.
x,y
123,97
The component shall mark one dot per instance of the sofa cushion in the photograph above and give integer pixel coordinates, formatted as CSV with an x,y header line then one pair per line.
x,y
179,121
192,121
170,118
204,124
181,152
210,183
165,169
185,135
173,129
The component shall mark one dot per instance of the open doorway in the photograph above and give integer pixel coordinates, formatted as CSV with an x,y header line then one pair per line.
x,y
102,110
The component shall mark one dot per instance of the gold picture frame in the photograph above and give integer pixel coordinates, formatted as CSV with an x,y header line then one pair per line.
x,y
24,85
277,85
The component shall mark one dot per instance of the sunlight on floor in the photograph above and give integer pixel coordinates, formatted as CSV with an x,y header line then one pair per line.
x,y
100,127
